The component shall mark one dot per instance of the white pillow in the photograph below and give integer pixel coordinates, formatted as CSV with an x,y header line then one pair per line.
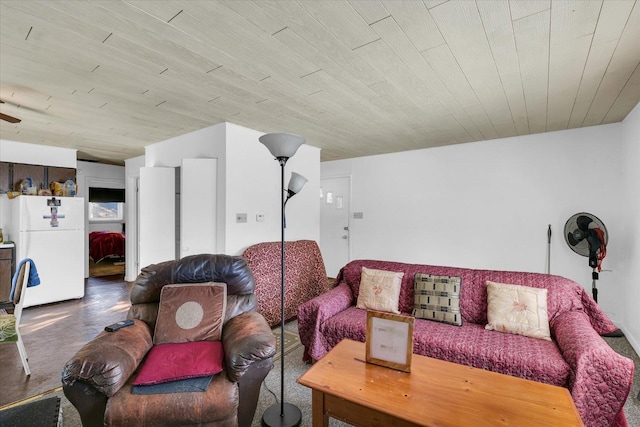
x,y
379,290
518,310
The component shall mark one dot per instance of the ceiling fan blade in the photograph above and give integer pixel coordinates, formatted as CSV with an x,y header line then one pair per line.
x,y
9,119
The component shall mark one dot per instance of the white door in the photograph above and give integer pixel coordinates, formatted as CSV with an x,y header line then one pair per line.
x,y
198,206
334,223
157,224
132,252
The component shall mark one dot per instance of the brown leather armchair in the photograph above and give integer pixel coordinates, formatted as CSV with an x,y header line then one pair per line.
x,y
97,379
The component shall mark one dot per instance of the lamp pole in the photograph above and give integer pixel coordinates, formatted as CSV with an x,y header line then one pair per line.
x,y
285,414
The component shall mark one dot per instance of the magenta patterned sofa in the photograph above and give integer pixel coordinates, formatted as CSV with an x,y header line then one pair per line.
x,y
305,276
598,378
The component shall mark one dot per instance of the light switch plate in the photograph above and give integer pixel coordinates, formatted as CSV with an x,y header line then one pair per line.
x,y
241,217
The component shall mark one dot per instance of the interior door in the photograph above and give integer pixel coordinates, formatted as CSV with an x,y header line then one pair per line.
x,y
157,215
198,207
334,223
137,227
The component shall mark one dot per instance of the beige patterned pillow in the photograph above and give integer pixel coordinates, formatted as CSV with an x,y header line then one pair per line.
x,y
379,290
518,310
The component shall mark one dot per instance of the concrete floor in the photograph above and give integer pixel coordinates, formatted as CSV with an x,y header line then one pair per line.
x,y
52,333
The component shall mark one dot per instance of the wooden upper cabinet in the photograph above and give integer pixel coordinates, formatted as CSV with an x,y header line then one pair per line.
x,y
22,171
12,174
5,185
6,272
60,174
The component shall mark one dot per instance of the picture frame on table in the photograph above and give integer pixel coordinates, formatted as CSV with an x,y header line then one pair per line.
x,y
389,340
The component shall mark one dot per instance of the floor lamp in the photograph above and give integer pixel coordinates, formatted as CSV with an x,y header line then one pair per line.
x,y
283,146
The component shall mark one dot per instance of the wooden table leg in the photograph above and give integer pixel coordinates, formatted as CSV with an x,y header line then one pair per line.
x,y
318,412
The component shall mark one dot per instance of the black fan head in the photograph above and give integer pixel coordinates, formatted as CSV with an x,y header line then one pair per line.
x,y
580,233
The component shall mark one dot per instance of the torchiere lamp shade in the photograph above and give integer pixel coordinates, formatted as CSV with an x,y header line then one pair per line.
x,y
282,145
296,183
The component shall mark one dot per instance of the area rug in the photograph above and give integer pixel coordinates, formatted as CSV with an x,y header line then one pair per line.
x,y
37,413
291,342
8,331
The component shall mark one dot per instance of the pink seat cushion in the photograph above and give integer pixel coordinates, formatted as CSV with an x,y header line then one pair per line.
x,y
177,361
469,344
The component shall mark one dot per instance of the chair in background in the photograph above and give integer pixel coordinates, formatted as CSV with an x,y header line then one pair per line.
x,y
11,312
306,276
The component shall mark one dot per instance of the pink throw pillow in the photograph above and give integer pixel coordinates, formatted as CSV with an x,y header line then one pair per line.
x,y
177,361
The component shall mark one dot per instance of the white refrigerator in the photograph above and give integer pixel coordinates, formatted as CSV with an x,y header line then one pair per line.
x,y
50,231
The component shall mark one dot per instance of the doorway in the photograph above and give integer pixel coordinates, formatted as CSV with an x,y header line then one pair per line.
x,y
105,227
335,203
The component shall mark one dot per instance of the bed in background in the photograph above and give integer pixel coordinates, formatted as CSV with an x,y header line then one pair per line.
x,y
103,244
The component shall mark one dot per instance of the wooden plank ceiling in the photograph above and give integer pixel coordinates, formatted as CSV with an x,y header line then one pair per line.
x,y
355,77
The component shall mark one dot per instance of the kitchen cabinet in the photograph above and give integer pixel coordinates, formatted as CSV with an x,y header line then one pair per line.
x,y
7,267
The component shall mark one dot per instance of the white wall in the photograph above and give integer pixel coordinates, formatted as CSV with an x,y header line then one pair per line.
x,y
35,154
203,143
630,256
253,186
488,204
248,182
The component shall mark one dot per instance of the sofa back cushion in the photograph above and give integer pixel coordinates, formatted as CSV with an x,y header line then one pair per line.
x,y
350,274
563,294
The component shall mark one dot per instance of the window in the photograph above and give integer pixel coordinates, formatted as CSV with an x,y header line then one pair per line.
x,y
106,204
106,211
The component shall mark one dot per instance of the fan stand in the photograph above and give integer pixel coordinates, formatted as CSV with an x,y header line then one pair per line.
x,y
594,290
575,233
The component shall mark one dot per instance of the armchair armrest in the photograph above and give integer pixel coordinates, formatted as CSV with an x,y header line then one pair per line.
x,y
246,339
106,362
601,378
314,312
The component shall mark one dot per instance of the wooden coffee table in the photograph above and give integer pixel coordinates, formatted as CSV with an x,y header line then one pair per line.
x,y
435,393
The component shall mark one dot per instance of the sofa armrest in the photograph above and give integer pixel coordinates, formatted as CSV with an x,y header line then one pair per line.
x,y
601,378
246,339
314,312
107,361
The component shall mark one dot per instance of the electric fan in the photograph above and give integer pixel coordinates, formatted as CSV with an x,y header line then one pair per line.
x,y
586,235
